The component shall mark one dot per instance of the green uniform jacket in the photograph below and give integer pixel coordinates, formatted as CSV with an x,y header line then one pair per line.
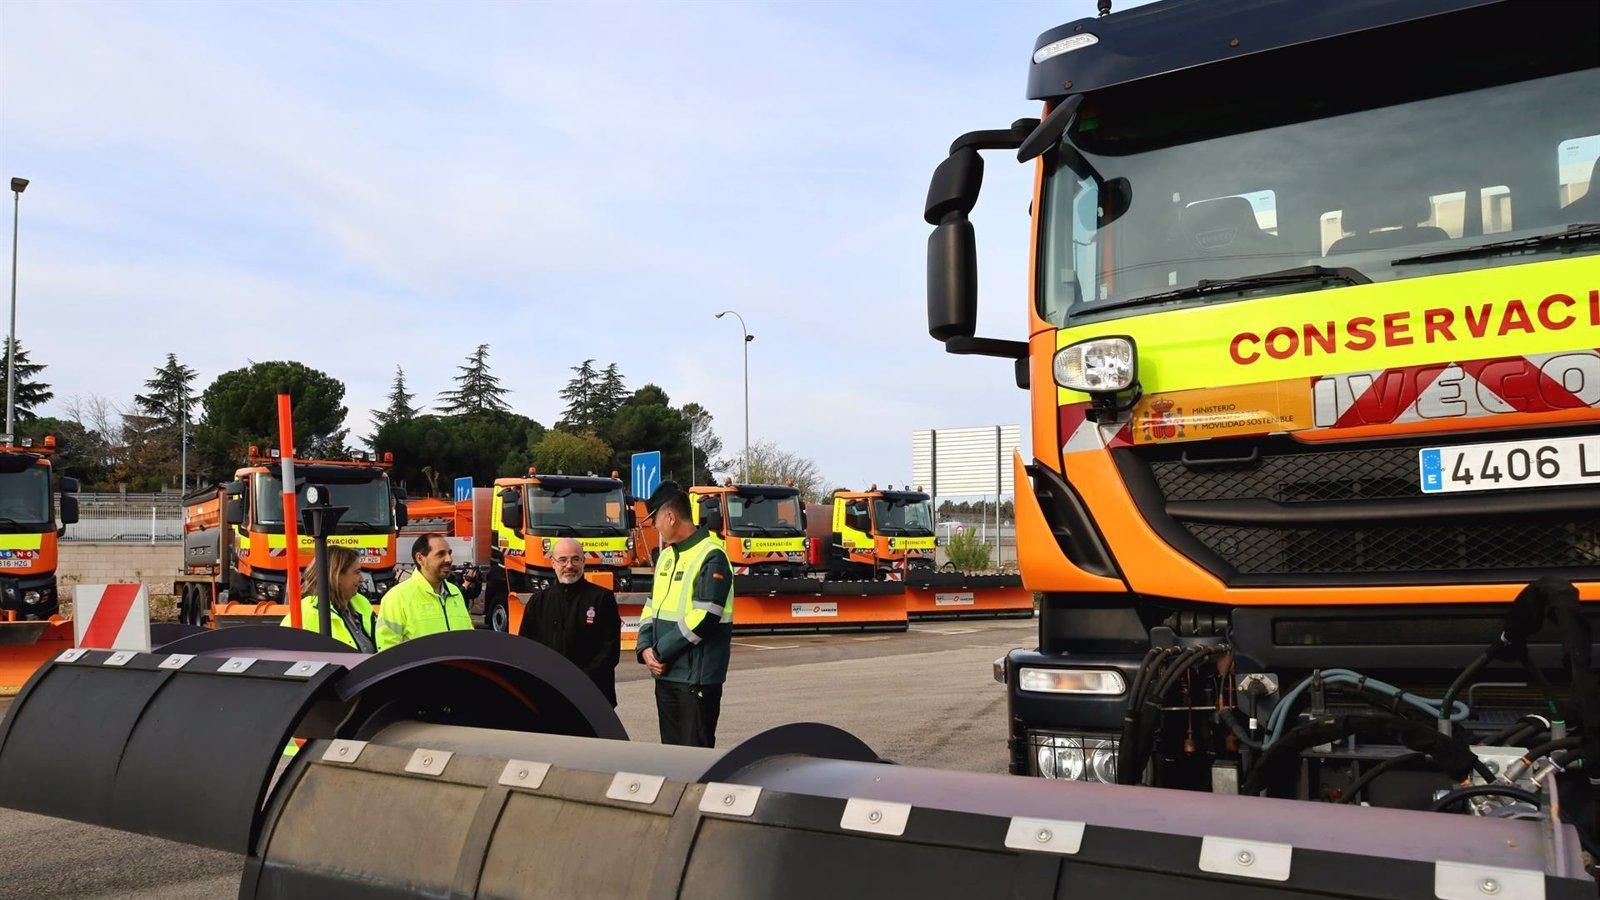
x,y
689,619
413,608
311,618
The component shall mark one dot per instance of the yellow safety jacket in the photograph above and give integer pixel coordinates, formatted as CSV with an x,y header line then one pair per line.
x,y
689,619
414,608
311,619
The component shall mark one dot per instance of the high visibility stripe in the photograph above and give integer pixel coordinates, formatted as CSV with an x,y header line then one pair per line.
x,y
110,615
1520,310
393,628
687,632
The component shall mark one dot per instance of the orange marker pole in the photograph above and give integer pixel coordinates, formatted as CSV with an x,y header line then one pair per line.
x,y
291,517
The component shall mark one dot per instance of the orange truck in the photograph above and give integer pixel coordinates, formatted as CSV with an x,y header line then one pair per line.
x,y
529,514
1314,381
762,526
888,535
235,564
31,629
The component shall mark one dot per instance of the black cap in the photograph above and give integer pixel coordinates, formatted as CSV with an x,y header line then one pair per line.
x,y
665,492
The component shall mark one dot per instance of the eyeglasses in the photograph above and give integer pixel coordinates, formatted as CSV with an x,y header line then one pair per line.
x,y
564,560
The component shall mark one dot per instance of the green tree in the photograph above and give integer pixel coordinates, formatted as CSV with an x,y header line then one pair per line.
x,y
82,453
610,394
399,408
483,446
563,452
581,395
31,392
967,550
240,408
477,390
171,397
147,457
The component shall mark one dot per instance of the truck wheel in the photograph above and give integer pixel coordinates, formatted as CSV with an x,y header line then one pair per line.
x,y
495,613
184,594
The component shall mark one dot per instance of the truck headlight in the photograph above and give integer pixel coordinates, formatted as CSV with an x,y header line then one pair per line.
x,y
33,598
270,589
1107,682
1074,757
1097,366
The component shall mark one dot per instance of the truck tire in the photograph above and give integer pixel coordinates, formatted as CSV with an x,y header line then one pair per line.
x,y
185,604
496,615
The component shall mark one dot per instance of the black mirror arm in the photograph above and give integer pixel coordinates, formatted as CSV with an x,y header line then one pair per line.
x,y
996,139
1045,134
977,346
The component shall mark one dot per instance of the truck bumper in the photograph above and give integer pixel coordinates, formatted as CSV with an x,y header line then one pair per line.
x,y
15,594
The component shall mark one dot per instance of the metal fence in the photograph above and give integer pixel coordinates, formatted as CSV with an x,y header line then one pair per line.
x,y
128,517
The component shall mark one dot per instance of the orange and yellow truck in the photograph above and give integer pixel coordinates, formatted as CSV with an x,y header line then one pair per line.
x,y
1314,374
529,514
762,526
878,535
31,628
235,561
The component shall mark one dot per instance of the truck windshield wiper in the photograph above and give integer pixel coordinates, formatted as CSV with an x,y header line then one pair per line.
x,y
1572,235
595,529
1207,286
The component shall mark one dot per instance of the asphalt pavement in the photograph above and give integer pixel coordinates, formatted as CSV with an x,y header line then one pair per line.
x,y
925,697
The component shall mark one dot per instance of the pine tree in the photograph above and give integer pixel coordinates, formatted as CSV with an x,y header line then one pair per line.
x,y
610,394
171,399
30,391
476,389
399,408
580,395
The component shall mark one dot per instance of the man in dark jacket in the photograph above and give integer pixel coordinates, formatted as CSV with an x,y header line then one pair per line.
x,y
577,619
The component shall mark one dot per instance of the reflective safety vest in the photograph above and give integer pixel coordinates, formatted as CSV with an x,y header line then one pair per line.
x,y
669,622
311,619
414,608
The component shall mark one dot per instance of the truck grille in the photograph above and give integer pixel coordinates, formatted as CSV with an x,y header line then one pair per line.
x,y
1440,547
1185,497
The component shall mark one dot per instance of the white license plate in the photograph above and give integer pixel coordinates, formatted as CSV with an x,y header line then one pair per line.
x,y
1511,464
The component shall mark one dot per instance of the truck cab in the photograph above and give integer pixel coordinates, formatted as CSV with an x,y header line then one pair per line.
x,y
881,535
28,530
762,526
531,513
1314,381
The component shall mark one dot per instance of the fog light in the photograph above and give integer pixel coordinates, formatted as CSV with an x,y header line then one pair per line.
x,y
270,589
1103,762
32,597
1107,682
1061,757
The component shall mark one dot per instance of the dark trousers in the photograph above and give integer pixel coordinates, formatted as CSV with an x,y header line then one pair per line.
x,y
688,712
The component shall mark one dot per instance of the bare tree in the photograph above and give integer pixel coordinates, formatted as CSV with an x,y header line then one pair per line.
x,y
96,413
771,464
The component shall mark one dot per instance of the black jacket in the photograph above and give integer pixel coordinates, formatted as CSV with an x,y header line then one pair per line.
x,y
579,621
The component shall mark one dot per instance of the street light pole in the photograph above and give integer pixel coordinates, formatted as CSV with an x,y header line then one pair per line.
x,y
18,185
748,337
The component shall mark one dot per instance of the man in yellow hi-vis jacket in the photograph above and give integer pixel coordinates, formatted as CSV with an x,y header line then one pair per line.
x,y
686,630
425,603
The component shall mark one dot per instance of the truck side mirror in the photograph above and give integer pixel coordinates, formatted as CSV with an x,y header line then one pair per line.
x,y
233,511
952,280
69,485
402,516
510,511
631,517
69,509
400,494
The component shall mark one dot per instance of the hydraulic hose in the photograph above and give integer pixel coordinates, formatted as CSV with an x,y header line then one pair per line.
x,y
1483,790
1278,720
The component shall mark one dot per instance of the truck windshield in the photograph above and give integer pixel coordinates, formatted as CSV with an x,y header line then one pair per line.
x,y
1153,194
368,501
904,517
764,515
25,497
566,511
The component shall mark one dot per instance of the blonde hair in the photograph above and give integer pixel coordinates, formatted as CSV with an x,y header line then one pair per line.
x,y
340,561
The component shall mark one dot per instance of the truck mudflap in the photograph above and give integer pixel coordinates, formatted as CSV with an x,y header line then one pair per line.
x,y
957,595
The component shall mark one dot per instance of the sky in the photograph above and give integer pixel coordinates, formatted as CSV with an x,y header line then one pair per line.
x,y
357,186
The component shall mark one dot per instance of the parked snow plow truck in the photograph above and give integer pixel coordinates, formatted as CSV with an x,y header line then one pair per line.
x,y
1312,351
31,630
235,568
529,514
888,535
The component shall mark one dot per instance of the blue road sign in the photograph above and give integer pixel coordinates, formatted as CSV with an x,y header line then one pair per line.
x,y
646,473
463,489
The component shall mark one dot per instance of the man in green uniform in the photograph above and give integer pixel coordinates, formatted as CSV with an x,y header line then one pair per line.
x,y
686,630
425,603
